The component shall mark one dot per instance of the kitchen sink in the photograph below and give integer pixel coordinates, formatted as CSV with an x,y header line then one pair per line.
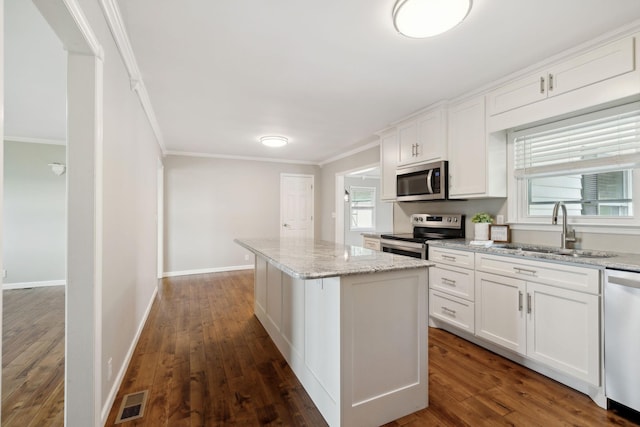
x,y
569,253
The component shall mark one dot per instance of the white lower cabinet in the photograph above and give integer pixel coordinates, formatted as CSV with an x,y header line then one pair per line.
x,y
544,315
451,288
557,327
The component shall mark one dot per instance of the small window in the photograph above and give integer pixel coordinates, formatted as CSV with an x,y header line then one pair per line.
x,y
362,203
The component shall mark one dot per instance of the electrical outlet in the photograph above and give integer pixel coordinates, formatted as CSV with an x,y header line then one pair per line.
x,y
109,369
4,274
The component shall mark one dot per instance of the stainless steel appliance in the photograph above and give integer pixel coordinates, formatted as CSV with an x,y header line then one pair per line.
x,y
622,337
425,227
423,182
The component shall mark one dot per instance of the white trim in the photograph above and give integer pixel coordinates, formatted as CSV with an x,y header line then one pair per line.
x,y
112,15
232,157
360,149
30,140
127,360
28,285
207,270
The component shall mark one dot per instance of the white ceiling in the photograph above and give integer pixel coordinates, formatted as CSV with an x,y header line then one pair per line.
x,y
328,74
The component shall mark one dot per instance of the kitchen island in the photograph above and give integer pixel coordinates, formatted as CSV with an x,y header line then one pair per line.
x,y
351,322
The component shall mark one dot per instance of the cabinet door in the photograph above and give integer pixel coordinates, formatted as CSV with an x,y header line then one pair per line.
x,y
524,91
388,164
432,141
597,65
563,330
467,149
407,140
500,311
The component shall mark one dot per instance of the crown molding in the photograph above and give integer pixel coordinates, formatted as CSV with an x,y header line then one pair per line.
x,y
350,153
230,157
30,140
113,17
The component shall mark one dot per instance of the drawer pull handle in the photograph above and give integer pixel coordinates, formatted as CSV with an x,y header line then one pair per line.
x,y
528,303
550,82
448,281
519,300
541,84
449,257
521,270
446,310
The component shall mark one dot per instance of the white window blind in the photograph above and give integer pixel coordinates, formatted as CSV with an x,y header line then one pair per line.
x,y
605,140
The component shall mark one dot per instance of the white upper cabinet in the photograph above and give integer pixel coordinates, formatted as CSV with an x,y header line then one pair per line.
x,y
388,164
477,161
600,75
423,139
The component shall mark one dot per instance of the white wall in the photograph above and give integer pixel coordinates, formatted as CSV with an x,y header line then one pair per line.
x,y
209,202
34,213
129,171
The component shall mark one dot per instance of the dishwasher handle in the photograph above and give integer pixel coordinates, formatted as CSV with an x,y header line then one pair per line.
x,y
623,278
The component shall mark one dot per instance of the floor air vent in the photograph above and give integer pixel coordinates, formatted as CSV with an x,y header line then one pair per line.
x,y
132,406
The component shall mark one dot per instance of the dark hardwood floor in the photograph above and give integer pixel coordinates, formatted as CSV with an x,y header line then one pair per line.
x,y
33,357
207,361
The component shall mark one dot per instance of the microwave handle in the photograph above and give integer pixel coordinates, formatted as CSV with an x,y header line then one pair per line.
x,y
429,179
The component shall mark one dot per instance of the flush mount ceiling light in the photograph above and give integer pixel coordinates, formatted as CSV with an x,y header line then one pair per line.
x,y
274,141
426,18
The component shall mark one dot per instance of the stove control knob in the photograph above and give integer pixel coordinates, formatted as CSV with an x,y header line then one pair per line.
x,y
448,219
455,219
420,219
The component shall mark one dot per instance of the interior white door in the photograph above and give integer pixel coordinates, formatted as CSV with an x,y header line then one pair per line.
x,y
296,205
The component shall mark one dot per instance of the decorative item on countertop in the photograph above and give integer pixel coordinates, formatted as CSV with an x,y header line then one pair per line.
x,y
482,221
500,233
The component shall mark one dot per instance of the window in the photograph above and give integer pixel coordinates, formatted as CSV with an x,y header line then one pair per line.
x,y
362,203
587,162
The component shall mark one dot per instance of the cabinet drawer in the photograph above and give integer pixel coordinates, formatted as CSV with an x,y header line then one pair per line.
x,y
566,276
455,311
453,280
455,257
371,243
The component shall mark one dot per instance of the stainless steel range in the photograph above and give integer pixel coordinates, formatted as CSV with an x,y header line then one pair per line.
x,y
425,227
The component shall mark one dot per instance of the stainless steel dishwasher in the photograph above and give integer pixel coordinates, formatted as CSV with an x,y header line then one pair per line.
x,y
622,337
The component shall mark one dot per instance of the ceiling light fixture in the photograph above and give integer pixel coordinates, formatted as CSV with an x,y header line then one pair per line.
x,y
274,141
427,18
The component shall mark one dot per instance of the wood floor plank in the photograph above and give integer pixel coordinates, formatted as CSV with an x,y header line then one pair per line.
x,y
208,361
33,357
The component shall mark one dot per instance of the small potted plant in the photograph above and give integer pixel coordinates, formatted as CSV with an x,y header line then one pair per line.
x,y
481,228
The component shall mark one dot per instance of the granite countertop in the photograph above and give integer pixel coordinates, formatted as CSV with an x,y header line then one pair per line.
x,y
315,259
595,258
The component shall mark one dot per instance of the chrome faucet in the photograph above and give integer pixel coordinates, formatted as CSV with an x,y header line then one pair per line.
x,y
568,236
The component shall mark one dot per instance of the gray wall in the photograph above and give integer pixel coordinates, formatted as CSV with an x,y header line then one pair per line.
x,y
34,213
328,186
383,211
209,202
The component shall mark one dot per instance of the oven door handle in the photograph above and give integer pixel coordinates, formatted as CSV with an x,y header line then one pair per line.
x,y
404,245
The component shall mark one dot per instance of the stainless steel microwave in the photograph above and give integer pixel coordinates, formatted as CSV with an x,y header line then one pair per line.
x,y
423,182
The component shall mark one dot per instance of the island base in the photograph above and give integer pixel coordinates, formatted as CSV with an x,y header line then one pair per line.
x,y
357,343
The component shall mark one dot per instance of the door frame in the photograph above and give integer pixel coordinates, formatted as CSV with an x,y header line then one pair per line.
x,y
313,197
83,323
340,202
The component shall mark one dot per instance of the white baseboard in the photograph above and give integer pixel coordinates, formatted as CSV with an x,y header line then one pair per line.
x,y
207,270
127,360
26,285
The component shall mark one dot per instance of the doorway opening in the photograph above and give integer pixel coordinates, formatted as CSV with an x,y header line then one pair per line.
x,y
359,209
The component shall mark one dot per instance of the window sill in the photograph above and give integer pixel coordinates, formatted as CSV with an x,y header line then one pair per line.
x,y
626,229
